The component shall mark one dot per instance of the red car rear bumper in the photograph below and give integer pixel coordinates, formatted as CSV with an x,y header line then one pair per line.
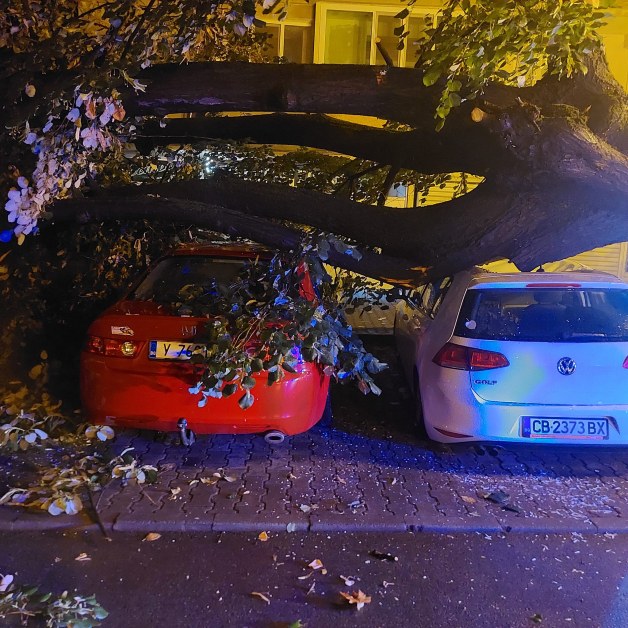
x,y
117,396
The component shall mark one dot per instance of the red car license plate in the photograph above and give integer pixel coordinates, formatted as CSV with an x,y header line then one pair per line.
x,y
173,349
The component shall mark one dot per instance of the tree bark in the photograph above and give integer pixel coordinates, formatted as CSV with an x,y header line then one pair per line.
x,y
388,93
272,234
553,185
421,149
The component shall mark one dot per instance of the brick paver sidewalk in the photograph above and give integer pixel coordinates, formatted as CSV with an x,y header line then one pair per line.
x,y
367,473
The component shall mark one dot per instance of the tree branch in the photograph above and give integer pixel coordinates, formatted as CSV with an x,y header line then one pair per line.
x,y
388,93
423,149
275,235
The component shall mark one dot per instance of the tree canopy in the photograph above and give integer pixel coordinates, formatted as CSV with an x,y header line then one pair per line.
x,y
516,93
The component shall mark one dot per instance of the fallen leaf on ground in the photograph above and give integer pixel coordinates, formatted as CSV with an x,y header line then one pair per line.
x,y
317,564
261,596
511,508
152,536
82,556
497,497
210,481
291,527
359,598
174,492
468,500
5,581
383,556
220,474
263,536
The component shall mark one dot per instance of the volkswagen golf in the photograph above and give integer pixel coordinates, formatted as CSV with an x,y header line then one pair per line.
x,y
527,357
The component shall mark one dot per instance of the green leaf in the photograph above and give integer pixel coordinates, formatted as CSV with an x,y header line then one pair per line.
x,y
431,76
100,613
229,389
246,400
248,383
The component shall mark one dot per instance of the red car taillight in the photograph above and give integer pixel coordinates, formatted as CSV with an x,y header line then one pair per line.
x,y
111,347
453,356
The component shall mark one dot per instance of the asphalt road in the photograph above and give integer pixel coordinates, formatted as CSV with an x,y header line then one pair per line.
x,y
448,580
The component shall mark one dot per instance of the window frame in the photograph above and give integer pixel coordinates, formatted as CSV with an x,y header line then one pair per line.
x,y
298,22
376,10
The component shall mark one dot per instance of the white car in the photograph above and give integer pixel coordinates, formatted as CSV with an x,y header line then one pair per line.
x,y
518,357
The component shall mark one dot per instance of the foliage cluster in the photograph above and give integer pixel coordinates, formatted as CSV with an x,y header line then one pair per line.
x,y
76,122
28,421
62,611
62,490
269,319
472,42
56,284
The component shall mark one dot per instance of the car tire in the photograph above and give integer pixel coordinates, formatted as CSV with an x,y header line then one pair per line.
x,y
327,418
418,418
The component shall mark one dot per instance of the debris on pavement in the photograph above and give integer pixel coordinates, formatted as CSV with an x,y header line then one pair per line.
x,y
383,556
359,598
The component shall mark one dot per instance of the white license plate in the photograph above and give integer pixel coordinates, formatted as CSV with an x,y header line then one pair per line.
x,y
173,350
571,429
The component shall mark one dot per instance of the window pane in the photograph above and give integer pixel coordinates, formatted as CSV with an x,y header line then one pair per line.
x,y
297,44
545,315
166,281
348,37
416,28
272,41
385,33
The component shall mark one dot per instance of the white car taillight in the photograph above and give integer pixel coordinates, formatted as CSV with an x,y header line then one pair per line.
x,y
453,356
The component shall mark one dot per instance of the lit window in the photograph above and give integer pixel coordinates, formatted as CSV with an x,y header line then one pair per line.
x,y
291,41
350,34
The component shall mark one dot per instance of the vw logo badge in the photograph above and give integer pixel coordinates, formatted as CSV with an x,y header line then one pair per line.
x,y
566,366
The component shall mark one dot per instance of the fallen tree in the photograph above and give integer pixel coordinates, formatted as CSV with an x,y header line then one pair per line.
x,y
551,152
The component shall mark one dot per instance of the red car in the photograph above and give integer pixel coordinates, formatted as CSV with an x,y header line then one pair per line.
x,y
136,371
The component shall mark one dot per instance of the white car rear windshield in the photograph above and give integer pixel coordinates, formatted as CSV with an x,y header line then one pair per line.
x,y
545,314
176,277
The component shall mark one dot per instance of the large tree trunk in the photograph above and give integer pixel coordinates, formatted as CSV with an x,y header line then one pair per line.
x,y
555,175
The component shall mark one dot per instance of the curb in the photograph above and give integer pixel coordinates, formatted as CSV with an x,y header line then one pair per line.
x,y
12,520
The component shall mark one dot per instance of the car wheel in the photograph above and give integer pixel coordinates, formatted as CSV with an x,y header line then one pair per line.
x,y
419,420
327,417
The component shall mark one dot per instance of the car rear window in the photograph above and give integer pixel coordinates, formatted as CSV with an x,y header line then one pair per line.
x,y
545,314
174,278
